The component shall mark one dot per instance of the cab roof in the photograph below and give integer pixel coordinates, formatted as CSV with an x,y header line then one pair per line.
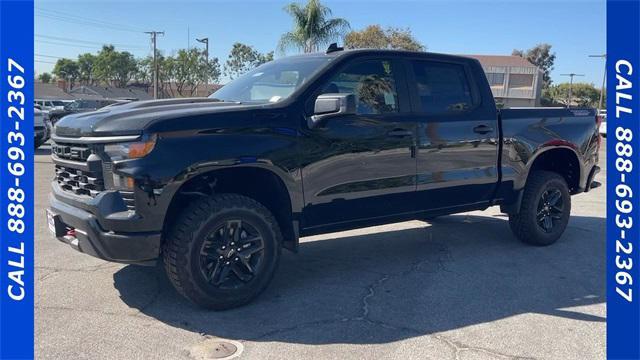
x,y
336,53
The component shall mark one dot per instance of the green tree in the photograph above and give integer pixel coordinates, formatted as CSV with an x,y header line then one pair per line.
x,y
66,69
243,58
104,68
144,70
86,64
45,77
375,37
542,57
165,68
211,70
113,67
186,71
583,95
312,27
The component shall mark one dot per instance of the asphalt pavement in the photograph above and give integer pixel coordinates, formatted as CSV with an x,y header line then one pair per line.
x,y
461,287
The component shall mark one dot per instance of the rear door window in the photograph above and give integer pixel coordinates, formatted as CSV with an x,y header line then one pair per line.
x,y
442,88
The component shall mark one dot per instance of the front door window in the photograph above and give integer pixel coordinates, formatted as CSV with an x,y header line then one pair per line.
x,y
372,82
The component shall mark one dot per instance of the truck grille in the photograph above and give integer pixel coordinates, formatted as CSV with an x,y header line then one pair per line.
x,y
74,172
78,172
78,181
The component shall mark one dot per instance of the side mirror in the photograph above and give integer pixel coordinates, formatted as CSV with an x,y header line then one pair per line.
x,y
330,105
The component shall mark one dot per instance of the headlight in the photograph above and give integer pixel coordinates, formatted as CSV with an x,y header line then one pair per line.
x,y
131,150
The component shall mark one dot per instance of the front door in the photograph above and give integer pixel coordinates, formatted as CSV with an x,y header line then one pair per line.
x,y
361,166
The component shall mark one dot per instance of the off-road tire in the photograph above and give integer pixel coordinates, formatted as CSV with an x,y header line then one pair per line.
x,y
524,224
183,245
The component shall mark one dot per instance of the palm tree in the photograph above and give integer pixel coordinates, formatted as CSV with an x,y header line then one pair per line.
x,y
312,28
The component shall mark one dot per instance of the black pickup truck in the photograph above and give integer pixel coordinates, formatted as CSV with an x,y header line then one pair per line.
x,y
309,144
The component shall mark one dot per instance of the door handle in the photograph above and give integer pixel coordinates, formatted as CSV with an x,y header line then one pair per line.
x,y
400,133
482,129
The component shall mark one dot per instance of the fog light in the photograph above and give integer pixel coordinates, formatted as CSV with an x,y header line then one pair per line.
x,y
122,182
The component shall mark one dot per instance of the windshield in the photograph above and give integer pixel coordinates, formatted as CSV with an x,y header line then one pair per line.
x,y
271,82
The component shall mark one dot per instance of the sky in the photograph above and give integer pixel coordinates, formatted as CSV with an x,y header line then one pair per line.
x,y
575,29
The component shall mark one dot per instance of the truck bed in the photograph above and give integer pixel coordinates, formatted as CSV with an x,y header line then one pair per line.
x,y
529,132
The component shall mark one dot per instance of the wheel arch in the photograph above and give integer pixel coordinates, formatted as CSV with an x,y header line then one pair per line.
x,y
269,186
563,160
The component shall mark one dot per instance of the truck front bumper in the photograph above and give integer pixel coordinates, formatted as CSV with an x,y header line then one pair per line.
x,y
81,229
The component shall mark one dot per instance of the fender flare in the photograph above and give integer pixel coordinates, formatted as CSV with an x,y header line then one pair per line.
x,y
514,206
522,181
290,183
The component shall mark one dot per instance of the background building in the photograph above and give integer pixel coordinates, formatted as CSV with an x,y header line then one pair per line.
x,y
514,81
95,92
133,92
44,91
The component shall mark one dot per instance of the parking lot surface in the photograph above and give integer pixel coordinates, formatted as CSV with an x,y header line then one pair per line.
x,y
461,287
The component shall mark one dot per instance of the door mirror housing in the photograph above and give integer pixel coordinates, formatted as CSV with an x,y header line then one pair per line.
x,y
330,105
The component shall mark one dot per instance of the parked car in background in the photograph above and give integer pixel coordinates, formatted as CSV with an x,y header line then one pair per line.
x,y
40,131
603,125
42,109
78,106
214,187
47,120
49,104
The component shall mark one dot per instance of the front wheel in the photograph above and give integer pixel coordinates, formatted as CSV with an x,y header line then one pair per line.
x,y
223,251
544,211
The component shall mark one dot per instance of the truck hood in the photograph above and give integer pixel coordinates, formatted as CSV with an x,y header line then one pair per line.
x,y
135,117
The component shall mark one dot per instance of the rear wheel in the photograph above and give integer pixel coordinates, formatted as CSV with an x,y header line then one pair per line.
x,y
544,211
223,251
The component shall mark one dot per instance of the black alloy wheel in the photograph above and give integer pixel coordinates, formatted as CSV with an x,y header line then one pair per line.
x,y
231,254
544,210
222,251
550,209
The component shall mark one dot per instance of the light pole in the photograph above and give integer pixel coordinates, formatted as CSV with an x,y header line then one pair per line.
x,y
205,41
604,79
571,75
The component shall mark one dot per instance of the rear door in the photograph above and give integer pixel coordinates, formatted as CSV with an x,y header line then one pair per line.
x,y
457,135
362,166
